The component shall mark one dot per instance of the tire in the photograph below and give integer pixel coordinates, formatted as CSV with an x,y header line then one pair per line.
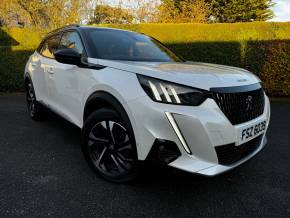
x,y
109,146
34,108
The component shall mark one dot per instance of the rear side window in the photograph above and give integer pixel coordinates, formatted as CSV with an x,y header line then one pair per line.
x,y
50,46
71,40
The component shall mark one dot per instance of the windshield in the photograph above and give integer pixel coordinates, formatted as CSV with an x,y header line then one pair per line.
x,y
130,46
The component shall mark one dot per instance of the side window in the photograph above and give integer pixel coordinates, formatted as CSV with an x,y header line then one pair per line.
x,y
71,40
50,46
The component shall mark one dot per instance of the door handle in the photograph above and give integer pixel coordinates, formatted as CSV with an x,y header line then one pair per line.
x,y
50,70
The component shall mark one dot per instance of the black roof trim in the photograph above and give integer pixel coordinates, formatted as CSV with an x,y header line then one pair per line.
x,y
64,27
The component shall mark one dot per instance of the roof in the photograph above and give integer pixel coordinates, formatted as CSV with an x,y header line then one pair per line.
x,y
76,26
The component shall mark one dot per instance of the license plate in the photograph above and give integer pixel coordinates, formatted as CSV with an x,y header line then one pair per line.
x,y
251,131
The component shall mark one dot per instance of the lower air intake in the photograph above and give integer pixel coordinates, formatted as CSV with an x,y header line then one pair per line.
x,y
229,154
163,151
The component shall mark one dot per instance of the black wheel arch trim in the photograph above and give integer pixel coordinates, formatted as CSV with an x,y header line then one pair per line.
x,y
110,100
115,104
27,76
103,96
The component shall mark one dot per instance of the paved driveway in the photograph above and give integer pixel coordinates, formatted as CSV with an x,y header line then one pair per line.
x,y
43,173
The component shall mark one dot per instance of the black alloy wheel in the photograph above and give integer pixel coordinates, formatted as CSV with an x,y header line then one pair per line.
x,y
109,146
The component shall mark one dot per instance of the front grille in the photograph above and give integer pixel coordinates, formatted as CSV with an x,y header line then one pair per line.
x,y
229,154
240,107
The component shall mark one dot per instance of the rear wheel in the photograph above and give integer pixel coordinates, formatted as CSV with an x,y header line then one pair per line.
x,y
109,146
33,107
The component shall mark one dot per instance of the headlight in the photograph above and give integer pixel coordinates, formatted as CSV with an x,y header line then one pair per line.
x,y
171,93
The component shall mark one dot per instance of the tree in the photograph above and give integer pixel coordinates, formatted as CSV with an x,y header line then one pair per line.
x,y
230,11
109,14
14,12
183,11
144,11
42,13
64,12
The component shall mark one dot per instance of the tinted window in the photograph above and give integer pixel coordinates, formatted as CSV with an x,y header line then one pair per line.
x,y
50,46
72,40
123,45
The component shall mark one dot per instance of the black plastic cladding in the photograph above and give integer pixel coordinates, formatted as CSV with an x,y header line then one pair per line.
x,y
163,151
229,154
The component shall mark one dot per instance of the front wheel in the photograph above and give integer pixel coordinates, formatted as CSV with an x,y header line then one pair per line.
x,y
109,146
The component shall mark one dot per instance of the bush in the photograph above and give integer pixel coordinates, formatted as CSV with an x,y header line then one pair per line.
x,y
261,47
16,45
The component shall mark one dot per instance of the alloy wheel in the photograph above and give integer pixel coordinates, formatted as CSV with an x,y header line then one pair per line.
x,y
110,148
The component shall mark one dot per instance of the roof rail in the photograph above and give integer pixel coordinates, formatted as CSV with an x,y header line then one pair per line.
x,y
71,25
64,27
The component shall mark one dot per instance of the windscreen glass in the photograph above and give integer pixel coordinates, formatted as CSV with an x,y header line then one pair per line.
x,y
130,46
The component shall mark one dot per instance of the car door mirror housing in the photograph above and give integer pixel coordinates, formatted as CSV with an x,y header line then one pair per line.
x,y
68,56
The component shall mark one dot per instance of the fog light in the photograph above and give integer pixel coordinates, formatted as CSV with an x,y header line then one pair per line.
x,y
163,151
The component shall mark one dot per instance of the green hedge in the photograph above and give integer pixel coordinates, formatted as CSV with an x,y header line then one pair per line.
x,y
16,45
262,47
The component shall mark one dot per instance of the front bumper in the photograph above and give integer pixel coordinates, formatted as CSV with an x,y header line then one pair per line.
x,y
203,128
216,169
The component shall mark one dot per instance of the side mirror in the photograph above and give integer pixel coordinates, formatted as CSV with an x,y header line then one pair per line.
x,y
68,56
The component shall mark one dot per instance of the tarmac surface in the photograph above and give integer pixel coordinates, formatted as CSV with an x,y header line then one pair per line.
x,y
43,173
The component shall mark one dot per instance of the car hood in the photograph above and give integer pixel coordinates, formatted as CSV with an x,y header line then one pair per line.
x,y
195,74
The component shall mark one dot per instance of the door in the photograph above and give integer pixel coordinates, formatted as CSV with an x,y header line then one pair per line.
x,y
47,62
65,88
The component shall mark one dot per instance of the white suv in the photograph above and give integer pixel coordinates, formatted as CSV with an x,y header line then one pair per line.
x,y
134,99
